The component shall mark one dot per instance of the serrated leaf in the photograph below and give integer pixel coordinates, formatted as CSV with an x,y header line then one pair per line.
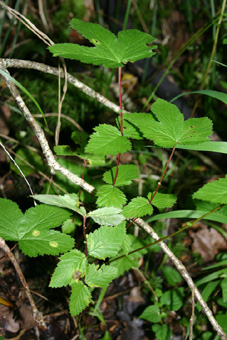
x,y
215,191
109,196
70,268
107,140
108,216
152,314
171,129
126,173
68,201
129,129
138,207
126,245
10,218
69,226
106,241
109,51
79,299
163,200
100,277
127,262
44,242
31,229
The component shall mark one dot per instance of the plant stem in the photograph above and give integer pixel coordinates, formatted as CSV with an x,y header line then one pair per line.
x,y
84,164
164,172
121,117
159,184
188,225
85,237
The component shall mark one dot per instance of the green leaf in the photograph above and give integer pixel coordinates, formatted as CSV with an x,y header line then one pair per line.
x,y
79,299
107,140
172,275
162,332
215,191
70,268
10,218
152,314
214,94
109,51
31,229
207,291
209,146
224,289
221,319
109,196
190,214
69,201
163,200
41,242
126,173
108,216
100,277
129,129
171,129
213,276
127,262
138,207
106,241
173,298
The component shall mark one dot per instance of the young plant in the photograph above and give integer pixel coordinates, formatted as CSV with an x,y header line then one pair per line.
x,y
165,127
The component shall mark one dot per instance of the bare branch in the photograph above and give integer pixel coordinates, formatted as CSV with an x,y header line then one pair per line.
x,y
181,268
17,63
52,163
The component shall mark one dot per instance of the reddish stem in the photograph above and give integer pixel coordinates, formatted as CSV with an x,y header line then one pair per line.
x,y
159,184
121,115
164,172
82,177
120,98
85,237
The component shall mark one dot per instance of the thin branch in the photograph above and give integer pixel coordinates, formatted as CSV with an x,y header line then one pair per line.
x,y
192,316
52,163
17,166
17,63
36,314
183,271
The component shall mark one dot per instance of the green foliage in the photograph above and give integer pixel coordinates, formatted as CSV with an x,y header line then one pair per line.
x,y
171,129
106,241
215,192
32,229
138,207
109,51
126,173
152,314
109,196
107,140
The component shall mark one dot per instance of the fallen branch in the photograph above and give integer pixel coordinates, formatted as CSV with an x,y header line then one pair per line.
x,y
87,187
17,63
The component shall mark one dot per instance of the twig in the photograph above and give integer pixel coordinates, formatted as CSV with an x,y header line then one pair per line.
x,y
18,63
87,187
38,115
192,316
183,271
17,166
36,314
52,163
